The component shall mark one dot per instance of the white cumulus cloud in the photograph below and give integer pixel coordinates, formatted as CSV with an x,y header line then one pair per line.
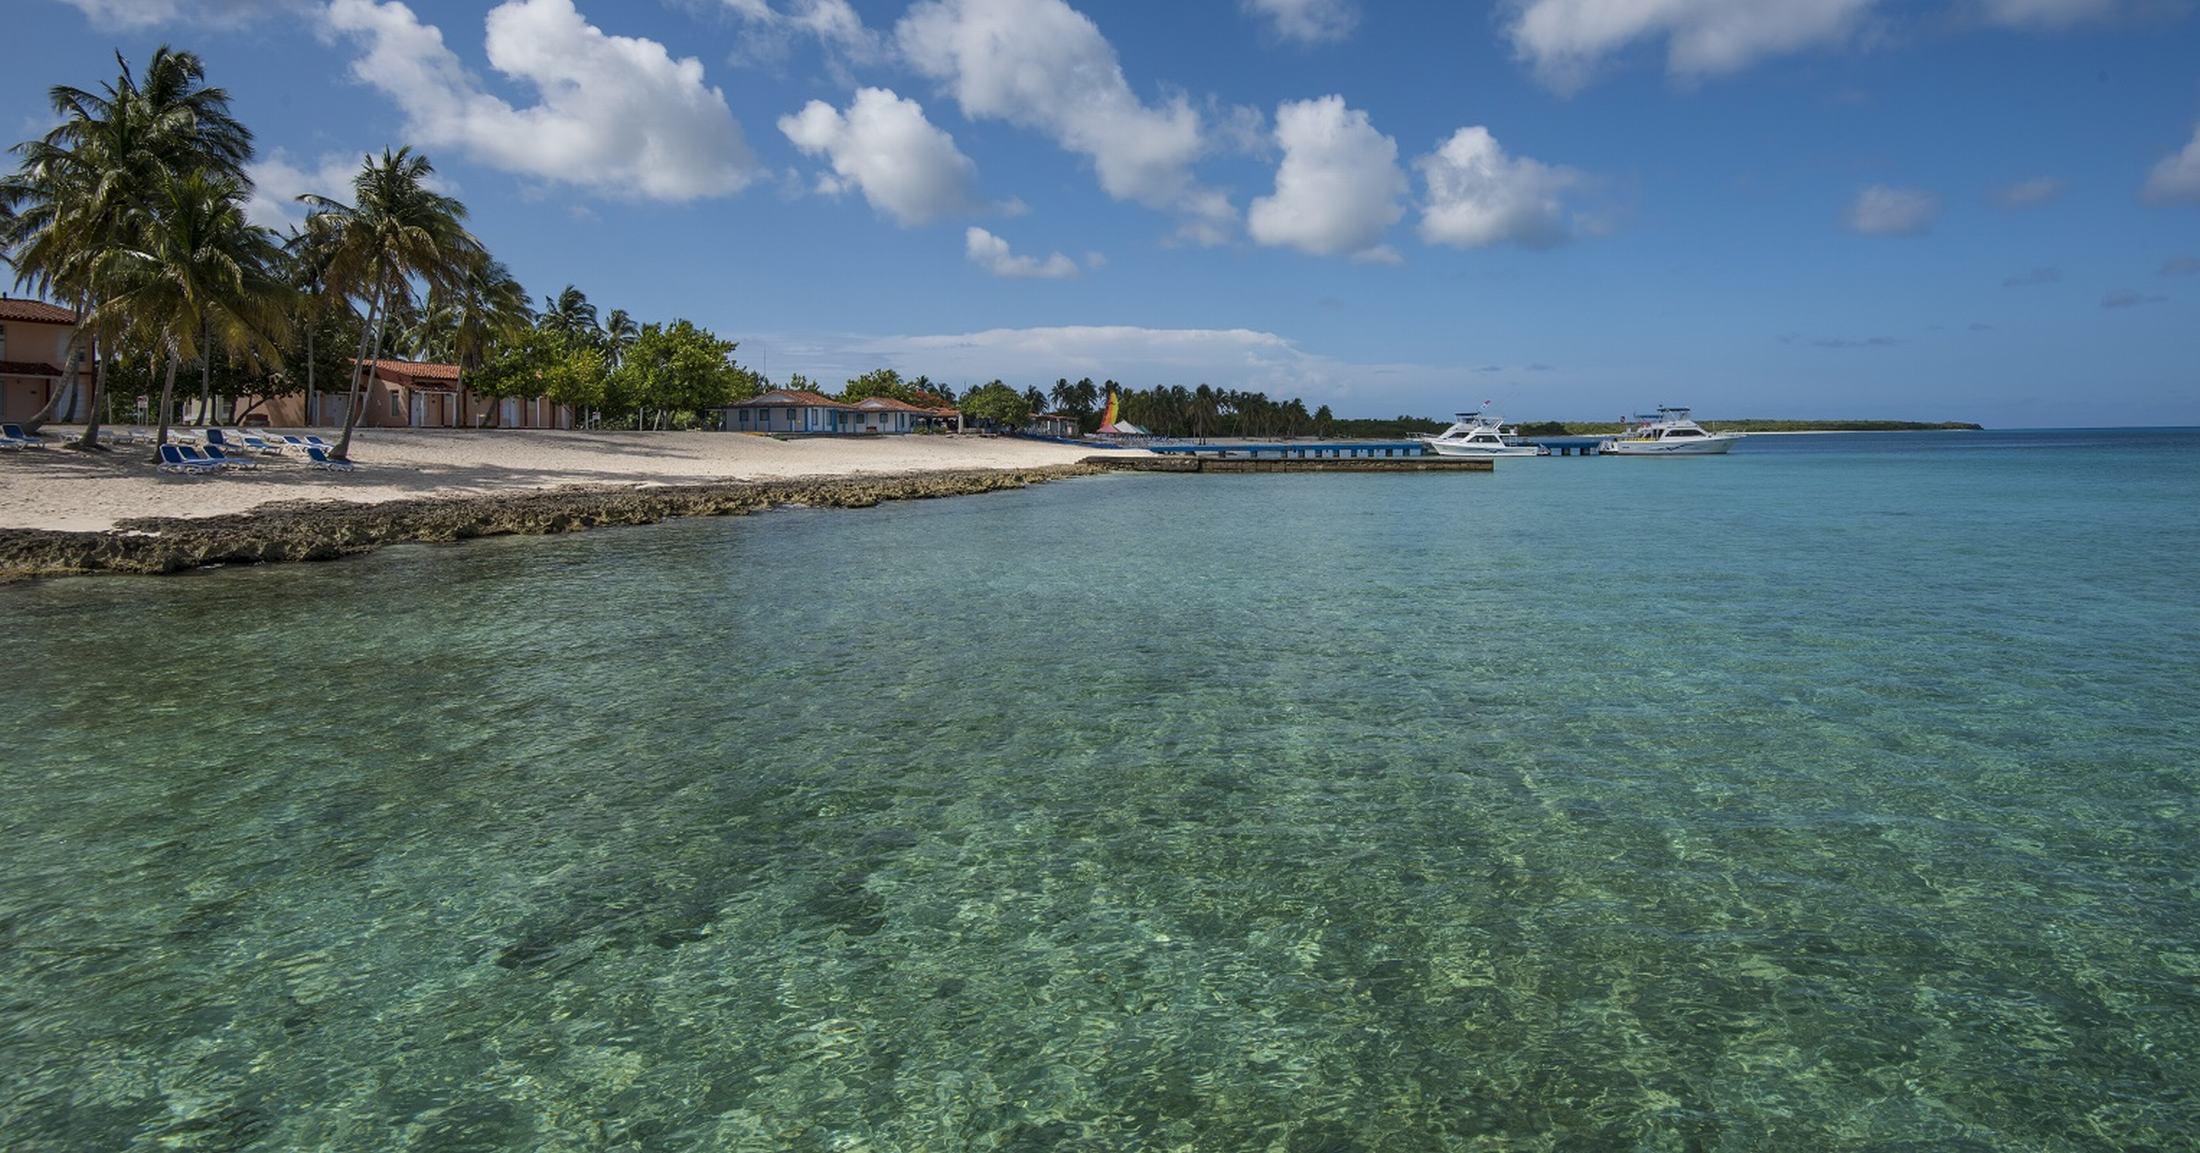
x,y
993,254
1479,196
905,166
1338,186
278,181
1883,211
134,14
1565,39
833,23
1307,21
615,114
1042,65
2177,177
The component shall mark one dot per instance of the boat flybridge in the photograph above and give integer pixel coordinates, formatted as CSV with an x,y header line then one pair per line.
x,y
1478,434
1669,432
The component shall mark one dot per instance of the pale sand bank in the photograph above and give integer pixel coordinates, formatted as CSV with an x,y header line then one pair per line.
x,y
56,489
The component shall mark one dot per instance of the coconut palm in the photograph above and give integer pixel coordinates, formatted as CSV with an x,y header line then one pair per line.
x,y
569,314
311,249
619,334
78,193
484,308
395,230
197,277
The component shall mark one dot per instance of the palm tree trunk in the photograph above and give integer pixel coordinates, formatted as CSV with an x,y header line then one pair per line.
x,y
206,378
309,372
90,439
359,370
167,398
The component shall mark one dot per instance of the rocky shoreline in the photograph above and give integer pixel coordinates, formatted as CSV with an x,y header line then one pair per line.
x,y
327,530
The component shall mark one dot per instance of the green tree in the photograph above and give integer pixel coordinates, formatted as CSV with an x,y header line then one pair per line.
x,y
619,331
569,314
476,314
80,192
541,361
681,368
395,230
996,403
877,382
198,277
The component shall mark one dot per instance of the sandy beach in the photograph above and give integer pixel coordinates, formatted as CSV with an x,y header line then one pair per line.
x,y
61,490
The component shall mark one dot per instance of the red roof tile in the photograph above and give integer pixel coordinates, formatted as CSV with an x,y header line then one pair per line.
x,y
35,312
417,374
784,398
889,404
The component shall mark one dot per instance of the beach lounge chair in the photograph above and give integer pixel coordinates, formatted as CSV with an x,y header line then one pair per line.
x,y
323,461
264,445
172,459
15,437
214,453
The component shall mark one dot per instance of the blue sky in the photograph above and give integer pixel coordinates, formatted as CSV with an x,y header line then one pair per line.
x,y
1974,209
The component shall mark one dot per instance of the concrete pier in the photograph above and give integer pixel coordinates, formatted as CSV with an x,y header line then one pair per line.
x,y
1186,462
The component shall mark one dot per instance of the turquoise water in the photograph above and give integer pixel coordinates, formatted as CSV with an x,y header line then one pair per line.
x,y
1838,794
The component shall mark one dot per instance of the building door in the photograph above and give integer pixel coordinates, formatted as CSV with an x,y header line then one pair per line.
x,y
510,416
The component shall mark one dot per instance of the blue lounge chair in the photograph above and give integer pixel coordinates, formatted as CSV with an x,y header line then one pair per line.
x,y
322,460
214,453
172,459
265,446
15,437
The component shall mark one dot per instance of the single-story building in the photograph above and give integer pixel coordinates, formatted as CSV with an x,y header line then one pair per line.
x,y
789,411
1060,424
415,394
786,410
885,414
36,362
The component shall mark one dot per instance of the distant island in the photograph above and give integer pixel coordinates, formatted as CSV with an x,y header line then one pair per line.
x,y
1405,426
1601,428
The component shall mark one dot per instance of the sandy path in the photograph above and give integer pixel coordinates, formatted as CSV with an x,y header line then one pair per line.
x,y
55,489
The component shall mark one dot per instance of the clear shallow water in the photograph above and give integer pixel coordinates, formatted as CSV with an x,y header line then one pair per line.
x,y
1838,794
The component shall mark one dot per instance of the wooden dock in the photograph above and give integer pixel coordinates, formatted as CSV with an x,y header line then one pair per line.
x,y
1186,462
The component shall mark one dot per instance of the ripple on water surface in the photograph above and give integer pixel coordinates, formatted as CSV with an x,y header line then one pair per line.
x,y
1830,795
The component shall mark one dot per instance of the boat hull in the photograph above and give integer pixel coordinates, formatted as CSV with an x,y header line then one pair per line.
x,y
1442,449
1706,446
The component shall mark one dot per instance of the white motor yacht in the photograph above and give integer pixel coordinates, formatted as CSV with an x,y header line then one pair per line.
x,y
1668,433
1476,434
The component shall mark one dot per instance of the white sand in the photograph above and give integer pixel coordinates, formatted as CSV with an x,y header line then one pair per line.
x,y
52,488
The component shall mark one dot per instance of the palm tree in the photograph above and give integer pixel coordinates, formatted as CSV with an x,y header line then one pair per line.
x,y
484,308
569,314
198,276
311,250
619,334
395,229
76,198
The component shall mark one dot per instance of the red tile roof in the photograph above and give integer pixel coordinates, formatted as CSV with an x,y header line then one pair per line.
x,y
27,368
418,374
889,404
34,311
785,398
